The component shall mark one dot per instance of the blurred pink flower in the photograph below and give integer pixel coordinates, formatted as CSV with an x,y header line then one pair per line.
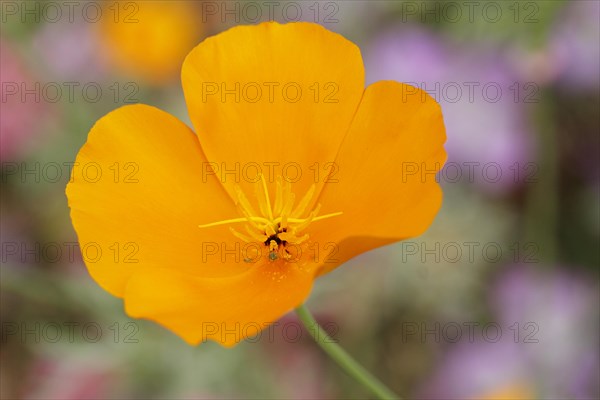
x,y
69,380
22,122
483,109
291,348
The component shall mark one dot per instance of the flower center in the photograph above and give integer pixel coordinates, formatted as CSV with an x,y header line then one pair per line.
x,y
279,226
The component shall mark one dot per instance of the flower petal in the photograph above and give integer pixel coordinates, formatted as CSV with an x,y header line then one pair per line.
x,y
253,117
386,184
225,310
137,195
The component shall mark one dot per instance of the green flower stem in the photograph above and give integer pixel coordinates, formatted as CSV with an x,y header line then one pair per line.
x,y
343,359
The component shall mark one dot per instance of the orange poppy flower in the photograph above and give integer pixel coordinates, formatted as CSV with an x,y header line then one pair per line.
x,y
169,28
293,169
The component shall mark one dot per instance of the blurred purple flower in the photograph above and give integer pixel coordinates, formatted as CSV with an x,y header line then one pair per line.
x,y
479,370
70,51
482,107
575,42
555,356
570,54
564,307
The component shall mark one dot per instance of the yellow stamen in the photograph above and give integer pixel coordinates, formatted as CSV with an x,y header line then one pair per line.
x,y
269,230
278,196
255,235
266,197
233,221
308,220
240,235
285,198
277,226
304,202
286,210
243,201
319,218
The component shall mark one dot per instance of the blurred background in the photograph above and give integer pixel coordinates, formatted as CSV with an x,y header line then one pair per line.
x,y
498,300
